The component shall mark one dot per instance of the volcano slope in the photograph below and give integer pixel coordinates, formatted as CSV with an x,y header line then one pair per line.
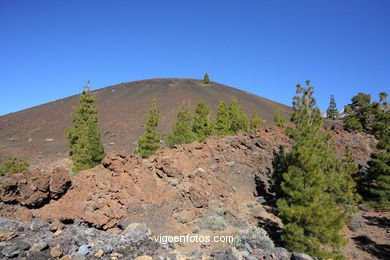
x,y
37,134
218,187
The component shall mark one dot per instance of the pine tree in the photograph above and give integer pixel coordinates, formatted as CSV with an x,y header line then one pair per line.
x,y
202,126
206,79
311,207
351,122
181,132
222,122
379,172
238,119
332,112
347,192
359,114
255,121
379,166
381,112
150,141
84,137
278,119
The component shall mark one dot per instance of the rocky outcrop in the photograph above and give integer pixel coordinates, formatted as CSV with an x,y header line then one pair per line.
x,y
33,188
169,192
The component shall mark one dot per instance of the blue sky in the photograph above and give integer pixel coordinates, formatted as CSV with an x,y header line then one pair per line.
x,y
49,49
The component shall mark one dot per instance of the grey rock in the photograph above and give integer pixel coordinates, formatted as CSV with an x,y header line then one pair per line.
x,y
107,249
301,256
282,253
231,163
37,225
83,250
40,246
248,247
78,257
15,249
233,254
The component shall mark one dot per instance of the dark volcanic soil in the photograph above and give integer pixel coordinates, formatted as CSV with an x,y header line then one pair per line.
x,y
37,134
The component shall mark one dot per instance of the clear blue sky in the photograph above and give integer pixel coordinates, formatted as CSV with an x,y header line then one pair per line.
x,y
49,49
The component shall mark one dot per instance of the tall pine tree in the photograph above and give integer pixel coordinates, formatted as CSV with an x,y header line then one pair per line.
x,y
222,122
379,170
202,126
150,141
84,137
181,132
310,206
332,112
238,119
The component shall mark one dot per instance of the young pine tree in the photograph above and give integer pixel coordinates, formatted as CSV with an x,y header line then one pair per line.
x,y
222,122
181,132
279,119
206,79
238,119
310,204
332,112
150,141
255,121
202,126
84,137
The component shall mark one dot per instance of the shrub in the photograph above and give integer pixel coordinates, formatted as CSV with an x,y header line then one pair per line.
x,y
256,237
212,222
13,165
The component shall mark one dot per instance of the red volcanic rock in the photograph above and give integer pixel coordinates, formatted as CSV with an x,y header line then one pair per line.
x,y
33,188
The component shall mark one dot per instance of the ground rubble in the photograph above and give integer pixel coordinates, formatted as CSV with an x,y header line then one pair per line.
x,y
78,241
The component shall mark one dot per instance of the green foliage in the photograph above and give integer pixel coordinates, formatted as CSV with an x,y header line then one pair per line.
x,y
181,132
381,125
311,206
13,165
206,79
346,188
359,114
202,126
150,141
255,121
374,184
84,137
222,122
332,112
351,122
280,165
379,171
237,117
279,119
